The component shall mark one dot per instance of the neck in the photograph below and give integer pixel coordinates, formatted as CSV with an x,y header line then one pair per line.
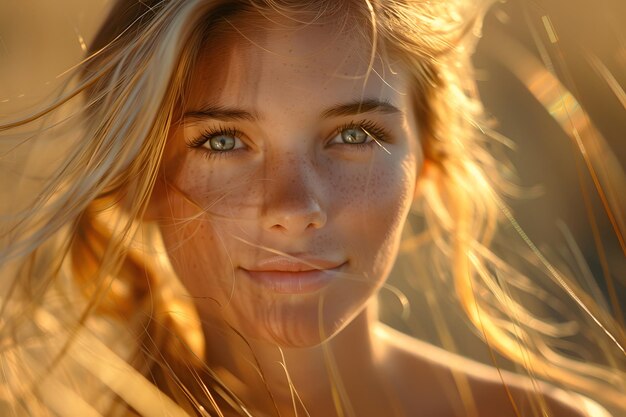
x,y
347,362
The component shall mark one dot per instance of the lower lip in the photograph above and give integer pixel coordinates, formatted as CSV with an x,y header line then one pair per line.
x,y
294,282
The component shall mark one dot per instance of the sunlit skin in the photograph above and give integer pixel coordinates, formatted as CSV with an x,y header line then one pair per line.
x,y
290,185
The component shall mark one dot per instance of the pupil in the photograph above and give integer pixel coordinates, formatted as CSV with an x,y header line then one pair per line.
x,y
222,143
354,136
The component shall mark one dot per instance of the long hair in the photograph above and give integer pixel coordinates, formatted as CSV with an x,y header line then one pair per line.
x,y
84,277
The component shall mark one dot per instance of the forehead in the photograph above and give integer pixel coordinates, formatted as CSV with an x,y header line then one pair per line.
x,y
297,66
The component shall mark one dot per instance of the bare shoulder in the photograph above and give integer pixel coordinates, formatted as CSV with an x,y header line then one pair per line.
x,y
449,384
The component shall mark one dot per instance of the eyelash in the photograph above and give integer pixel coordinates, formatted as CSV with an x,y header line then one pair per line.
x,y
375,131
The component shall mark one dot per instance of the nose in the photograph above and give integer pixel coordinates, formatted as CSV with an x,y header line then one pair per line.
x,y
292,197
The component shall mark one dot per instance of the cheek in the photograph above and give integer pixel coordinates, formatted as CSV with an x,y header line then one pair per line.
x,y
370,207
196,251
192,227
221,190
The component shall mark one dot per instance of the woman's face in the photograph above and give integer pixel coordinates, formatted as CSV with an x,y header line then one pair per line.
x,y
281,198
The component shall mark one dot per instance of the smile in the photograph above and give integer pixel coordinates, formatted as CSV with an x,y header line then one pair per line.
x,y
287,276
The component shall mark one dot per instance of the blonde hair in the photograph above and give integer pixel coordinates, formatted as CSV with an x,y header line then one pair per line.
x,y
79,239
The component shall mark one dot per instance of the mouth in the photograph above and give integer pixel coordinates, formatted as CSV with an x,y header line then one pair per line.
x,y
286,276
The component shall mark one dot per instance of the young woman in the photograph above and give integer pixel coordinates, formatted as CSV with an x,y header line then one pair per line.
x,y
227,194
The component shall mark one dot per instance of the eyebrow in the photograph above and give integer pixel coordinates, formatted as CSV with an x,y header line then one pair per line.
x,y
360,106
344,109
220,113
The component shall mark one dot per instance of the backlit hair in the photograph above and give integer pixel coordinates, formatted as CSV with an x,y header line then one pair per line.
x,y
85,279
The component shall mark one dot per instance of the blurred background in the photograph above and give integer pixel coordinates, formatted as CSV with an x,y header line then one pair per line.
x,y
551,74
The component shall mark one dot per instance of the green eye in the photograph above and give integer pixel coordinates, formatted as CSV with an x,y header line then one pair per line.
x,y
221,143
354,135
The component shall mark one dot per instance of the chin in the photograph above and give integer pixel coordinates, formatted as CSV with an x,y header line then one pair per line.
x,y
297,323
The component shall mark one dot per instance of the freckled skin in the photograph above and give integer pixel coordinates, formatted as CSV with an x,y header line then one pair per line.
x,y
288,189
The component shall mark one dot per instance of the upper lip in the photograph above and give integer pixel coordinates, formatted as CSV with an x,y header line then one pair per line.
x,y
294,263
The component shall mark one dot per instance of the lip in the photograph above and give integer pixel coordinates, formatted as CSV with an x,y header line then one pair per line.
x,y
294,276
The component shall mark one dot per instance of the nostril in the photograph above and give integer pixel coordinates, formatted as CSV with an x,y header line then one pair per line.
x,y
278,227
318,220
